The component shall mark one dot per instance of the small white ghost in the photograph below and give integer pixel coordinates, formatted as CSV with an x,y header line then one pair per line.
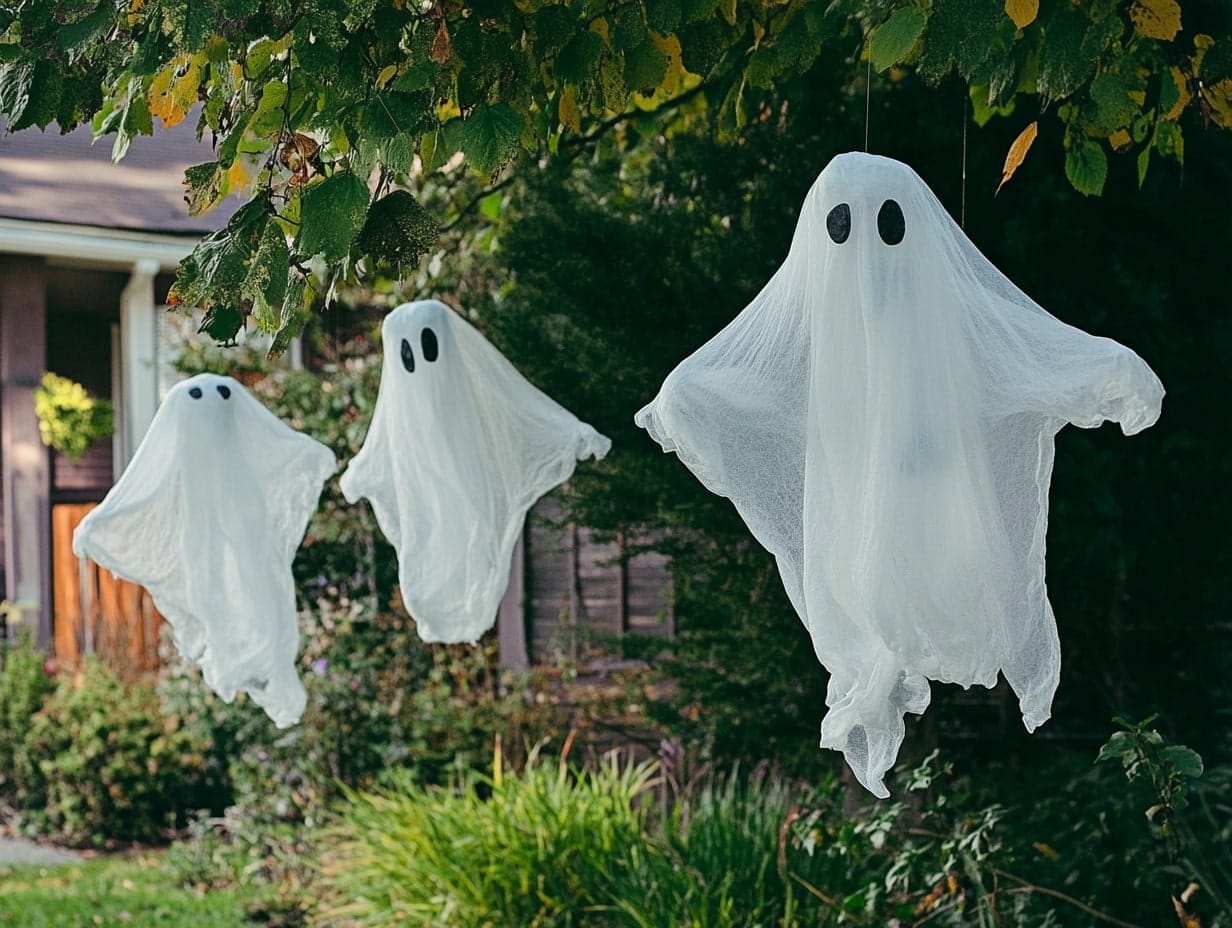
x,y
207,517
460,447
882,416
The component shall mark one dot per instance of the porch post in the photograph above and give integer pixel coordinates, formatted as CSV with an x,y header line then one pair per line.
x,y
25,465
138,397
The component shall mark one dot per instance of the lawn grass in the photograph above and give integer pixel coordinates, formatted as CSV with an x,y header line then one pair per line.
x,y
128,892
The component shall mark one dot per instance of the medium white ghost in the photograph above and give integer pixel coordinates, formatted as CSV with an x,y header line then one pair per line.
x,y
882,415
207,517
460,447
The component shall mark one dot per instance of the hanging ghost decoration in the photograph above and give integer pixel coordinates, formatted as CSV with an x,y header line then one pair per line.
x,y
460,446
207,517
882,416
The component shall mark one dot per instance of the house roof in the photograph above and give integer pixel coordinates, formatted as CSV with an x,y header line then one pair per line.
x,y
53,178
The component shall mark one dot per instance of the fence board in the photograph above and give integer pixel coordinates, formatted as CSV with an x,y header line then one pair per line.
x,y
93,610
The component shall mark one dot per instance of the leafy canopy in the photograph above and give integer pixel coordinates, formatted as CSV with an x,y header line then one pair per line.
x,y
322,111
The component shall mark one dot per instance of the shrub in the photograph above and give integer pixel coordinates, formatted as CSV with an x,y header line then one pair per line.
x,y
101,763
25,684
543,849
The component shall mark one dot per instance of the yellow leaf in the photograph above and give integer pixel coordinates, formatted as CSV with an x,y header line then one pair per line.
x,y
134,9
387,74
1120,140
1156,19
600,28
728,9
1047,850
1183,95
174,89
1022,12
670,47
1218,98
570,115
1018,152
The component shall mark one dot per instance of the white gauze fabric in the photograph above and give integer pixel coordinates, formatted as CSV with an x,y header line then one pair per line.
x,y
882,415
207,517
460,446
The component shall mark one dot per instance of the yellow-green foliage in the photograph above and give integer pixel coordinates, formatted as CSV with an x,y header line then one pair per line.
x,y
70,419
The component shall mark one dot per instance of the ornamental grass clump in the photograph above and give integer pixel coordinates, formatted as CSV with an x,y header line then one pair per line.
x,y
543,848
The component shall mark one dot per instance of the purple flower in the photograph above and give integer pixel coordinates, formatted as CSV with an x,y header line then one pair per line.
x,y
320,666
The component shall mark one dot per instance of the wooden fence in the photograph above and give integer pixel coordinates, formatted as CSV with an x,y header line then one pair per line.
x,y
95,612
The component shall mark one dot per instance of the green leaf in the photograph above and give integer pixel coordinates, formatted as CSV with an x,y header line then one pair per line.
x,y
44,99
1118,747
701,46
294,315
962,34
1064,65
664,16
490,136
553,28
894,39
1187,761
268,119
1113,107
399,231
331,216
214,274
392,114
1086,166
577,59
203,187
76,40
645,67
266,283
67,12
222,323
15,81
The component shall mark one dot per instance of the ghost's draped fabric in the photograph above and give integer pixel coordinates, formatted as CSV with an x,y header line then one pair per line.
x,y
207,517
882,415
460,447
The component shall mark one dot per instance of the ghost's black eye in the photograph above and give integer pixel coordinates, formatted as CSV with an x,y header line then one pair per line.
x,y
431,350
891,225
408,357
195,392
224,391
838,223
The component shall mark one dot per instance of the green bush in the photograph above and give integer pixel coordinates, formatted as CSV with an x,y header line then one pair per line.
x,y
25,684
610,847
101,763
542,848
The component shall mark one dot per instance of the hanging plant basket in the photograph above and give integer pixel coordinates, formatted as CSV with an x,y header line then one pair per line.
x,y
70,419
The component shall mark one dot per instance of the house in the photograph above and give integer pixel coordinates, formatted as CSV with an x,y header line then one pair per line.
x,y
88,251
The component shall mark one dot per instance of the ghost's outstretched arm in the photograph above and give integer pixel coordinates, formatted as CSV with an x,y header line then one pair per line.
x,y
1038,364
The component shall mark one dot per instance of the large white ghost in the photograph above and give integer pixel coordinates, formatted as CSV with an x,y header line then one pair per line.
x,y
460,447
207,517
882,415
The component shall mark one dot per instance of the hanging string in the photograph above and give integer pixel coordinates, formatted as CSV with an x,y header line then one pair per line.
x,y
963,215
868,94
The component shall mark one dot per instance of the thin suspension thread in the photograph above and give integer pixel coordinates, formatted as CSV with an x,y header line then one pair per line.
x,y
963,215
868,96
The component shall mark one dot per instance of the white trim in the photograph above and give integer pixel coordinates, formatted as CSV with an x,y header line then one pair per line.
x,y
94,244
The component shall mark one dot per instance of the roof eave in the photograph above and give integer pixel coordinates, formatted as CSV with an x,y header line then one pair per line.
x,y
94,244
